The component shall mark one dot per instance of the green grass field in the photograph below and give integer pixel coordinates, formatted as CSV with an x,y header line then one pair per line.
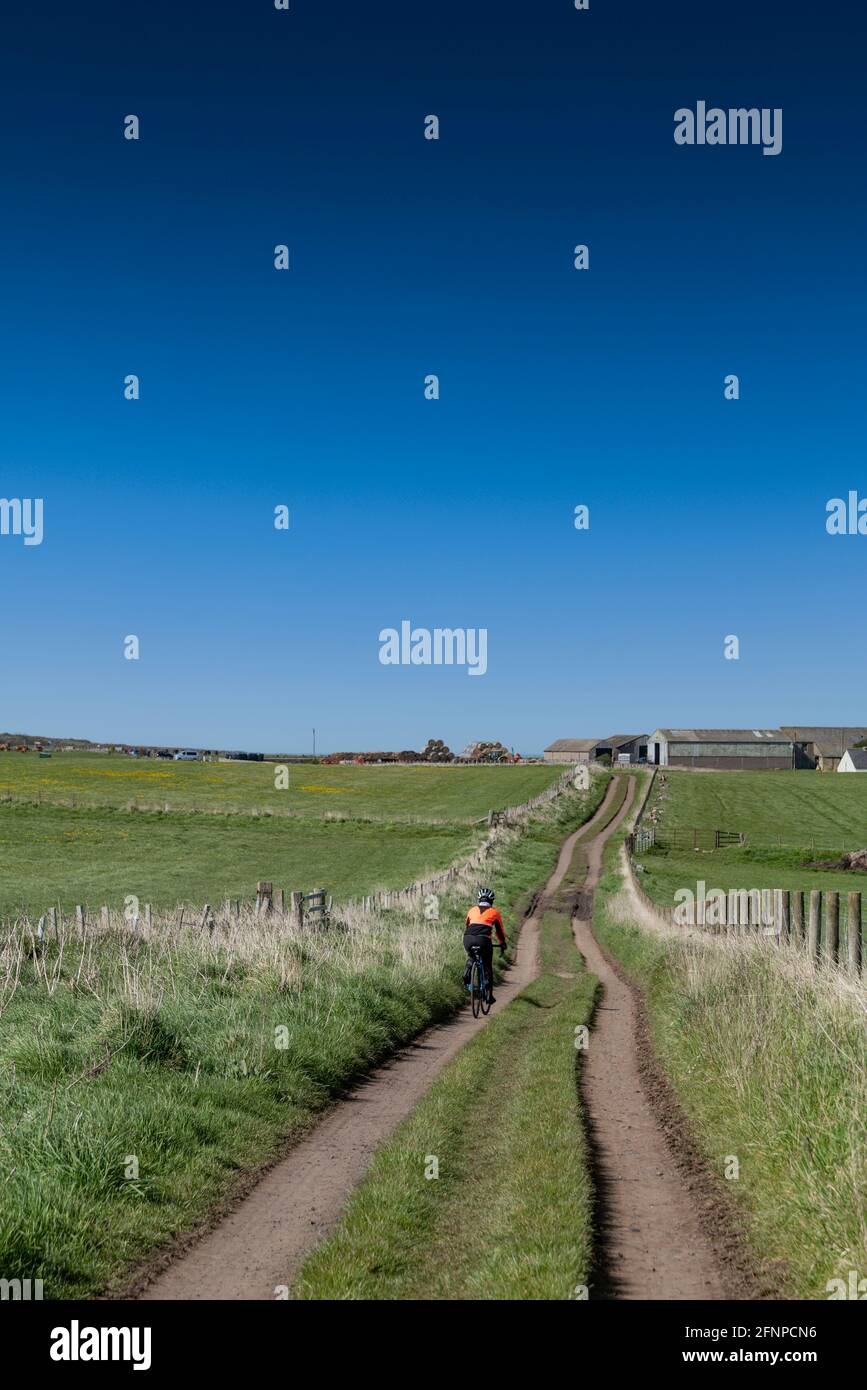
x,y
789,818
53,855
792,808
388,792
66,837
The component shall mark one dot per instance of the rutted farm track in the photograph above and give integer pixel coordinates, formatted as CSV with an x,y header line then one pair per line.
x,y
651,1241
650,1236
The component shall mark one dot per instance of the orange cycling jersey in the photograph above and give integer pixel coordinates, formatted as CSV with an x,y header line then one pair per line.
x,y
484,921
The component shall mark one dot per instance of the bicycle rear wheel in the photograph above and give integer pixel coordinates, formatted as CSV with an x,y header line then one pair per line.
x,y
486,993
476,988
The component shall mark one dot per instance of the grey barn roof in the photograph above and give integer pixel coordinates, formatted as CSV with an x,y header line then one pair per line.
x,y
616,740
572,745
725,735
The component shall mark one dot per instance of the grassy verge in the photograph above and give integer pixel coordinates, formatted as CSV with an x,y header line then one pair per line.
x,y
769,1062
141,1072
506,1213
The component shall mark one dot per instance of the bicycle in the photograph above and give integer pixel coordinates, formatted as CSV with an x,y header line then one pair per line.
x,y
480,987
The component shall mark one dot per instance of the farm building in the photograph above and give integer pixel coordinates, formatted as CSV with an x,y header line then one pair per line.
x,y
819,747
853,760
633,746
571,750
753,749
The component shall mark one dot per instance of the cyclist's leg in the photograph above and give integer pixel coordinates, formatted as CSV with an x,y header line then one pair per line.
x,y
469,942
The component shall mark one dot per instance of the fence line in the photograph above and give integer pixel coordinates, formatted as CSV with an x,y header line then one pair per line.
x,y
688,837
642,805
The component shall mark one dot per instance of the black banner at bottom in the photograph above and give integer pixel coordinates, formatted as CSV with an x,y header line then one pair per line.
x,y
221,1339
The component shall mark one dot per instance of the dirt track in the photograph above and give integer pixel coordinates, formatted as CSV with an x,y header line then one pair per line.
x,y
260,1245
651,1221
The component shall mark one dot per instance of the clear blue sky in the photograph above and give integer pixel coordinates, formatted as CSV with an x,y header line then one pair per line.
x,y
411,257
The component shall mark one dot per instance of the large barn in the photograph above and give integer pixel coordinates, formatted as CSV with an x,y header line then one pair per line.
x,y
571,750
821,747
744,749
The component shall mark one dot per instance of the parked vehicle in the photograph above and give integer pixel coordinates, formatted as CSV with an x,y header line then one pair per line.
x,y
186,755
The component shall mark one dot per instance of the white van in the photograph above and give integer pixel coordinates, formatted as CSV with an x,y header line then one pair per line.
x,y
188,755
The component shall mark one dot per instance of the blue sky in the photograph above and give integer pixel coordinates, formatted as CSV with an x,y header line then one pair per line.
x,y
411,257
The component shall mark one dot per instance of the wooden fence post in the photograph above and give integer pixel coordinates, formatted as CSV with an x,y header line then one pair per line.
x,y
853,933
797,916
79,917
280,901
52,919
149,916
814,927
832,927
785,915
296,916
263,896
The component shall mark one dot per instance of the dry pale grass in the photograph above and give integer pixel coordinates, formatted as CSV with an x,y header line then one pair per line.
x,y
708,953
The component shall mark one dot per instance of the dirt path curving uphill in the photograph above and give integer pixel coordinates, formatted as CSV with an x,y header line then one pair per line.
x,y
652,1223
259,1246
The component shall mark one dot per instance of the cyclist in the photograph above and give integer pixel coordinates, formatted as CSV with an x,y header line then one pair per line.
x,y
481,923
